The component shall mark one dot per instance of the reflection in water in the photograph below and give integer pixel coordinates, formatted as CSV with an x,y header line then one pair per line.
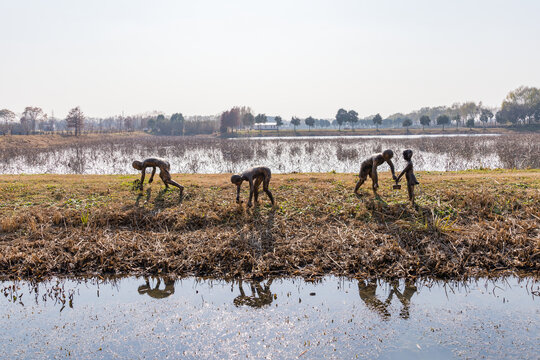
x,y
155,292
260,295
475,319
405,297
367,290
368,293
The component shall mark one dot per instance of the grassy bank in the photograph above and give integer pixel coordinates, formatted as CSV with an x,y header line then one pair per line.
x,y
465,224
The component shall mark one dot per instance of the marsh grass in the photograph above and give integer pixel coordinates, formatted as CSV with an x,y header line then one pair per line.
x,y
465,224
113,155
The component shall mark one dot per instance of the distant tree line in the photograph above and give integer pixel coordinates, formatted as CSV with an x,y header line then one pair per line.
x,y
34,120
242,118
520,107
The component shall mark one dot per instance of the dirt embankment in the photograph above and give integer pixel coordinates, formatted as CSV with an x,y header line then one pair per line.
x,y
465,224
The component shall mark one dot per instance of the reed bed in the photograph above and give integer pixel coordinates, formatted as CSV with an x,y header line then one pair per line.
x,y
475,223
114,154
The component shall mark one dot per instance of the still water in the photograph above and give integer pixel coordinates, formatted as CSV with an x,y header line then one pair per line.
x,y
282,155
279,319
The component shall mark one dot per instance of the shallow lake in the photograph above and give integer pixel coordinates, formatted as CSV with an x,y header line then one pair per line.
x,y
281,319
283,155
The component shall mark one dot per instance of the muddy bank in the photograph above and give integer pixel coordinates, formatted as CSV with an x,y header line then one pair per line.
x,y
465,224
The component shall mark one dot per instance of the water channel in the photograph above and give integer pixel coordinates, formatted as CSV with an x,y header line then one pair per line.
x,y
275,319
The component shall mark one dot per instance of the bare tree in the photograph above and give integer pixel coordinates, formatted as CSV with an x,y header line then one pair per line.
x,y
8,116
30,117
129,123
75,120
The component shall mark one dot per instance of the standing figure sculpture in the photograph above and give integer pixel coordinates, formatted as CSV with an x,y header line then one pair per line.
x,y
369,168
409,175
255,176
164,174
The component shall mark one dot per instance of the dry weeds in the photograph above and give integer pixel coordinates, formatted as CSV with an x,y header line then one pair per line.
x,y
514,151
478,223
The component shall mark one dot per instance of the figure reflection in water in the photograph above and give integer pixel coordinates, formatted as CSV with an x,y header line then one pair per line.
x,y
405,297
368,289
155,292
260,295
368,295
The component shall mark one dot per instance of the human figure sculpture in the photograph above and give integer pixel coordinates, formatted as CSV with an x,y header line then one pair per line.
x,y
409,175
369,168
164,174
255,176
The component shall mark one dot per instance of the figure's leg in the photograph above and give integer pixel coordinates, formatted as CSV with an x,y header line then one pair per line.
x,y
363,176
256,189
410,189
358,184
142,177
165,177
267,191
174,183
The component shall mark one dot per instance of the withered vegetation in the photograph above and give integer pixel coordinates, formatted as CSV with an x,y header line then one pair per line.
x,y
69,155
475,223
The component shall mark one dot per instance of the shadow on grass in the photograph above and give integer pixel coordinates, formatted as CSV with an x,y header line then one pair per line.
x,y
264,228
161,200
385,213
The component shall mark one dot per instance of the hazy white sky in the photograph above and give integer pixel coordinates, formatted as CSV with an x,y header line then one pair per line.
x,y
302,57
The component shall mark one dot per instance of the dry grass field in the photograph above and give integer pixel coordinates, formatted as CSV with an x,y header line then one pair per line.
x,y
48,141
465,224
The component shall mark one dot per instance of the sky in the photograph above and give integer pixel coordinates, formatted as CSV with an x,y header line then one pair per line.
x,y
288,58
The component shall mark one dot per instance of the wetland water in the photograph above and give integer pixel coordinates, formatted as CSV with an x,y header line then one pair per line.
x,y
282,155
281,319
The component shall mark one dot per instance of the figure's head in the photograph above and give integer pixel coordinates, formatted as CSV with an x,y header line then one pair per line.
x,y
137,165
236,179
407,154
388,154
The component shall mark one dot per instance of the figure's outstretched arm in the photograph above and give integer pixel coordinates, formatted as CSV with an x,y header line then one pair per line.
x,y
142,177
152,176
391,164
238,194
250,192
407,168
374,178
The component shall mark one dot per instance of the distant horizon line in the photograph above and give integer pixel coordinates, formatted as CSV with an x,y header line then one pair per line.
x,y
159,112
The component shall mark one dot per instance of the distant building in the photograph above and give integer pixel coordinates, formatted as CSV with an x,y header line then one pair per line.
x,y
265,126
